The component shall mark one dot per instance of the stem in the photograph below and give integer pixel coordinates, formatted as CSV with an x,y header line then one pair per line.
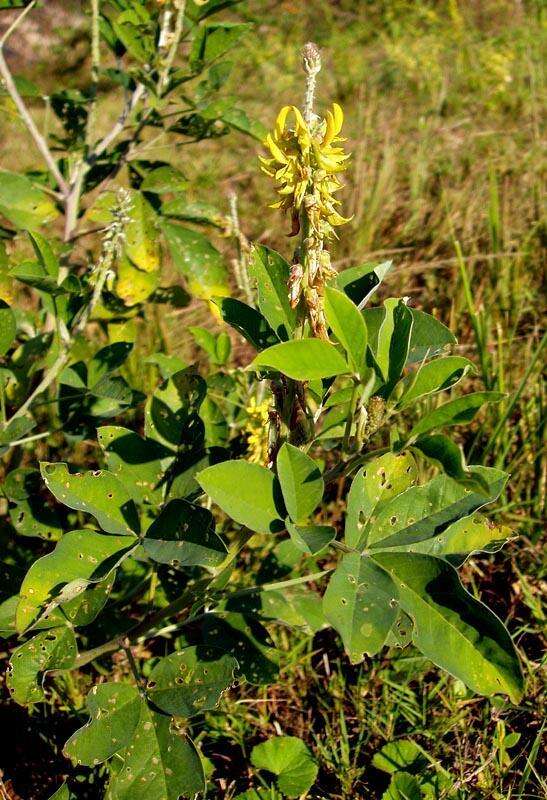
x,y
95,67
180,5
311,60
39,140
349,419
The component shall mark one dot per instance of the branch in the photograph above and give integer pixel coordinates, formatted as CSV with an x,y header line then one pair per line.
x,y
13,92
120,124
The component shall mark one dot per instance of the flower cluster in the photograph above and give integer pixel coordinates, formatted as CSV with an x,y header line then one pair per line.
x,y
256,428
305,161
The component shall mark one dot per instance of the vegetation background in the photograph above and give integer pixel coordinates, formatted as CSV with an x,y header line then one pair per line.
x,y
443,104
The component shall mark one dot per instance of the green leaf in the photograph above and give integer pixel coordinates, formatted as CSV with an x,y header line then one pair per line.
x,y
348,326
213,39
32,517
248,641
301,482
290,760
424,511
271,273
311,539
374,485
398,755
200,213
248,493
98,493
134,29
141,235
403,786
166,178
172,412
161,763
106,361
45,255
435,376
80,558
63,792
184,535
360,283
302,359
239,120
361,604
394,341
137,462
457,632
22,204
8,328
114,710
470,534
216,426
54,648
197,260
191,681
428,336
455,412
444,453
247,321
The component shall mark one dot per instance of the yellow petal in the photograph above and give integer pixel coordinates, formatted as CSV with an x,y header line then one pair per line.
x,y
281,119
276,152
338,115
330,132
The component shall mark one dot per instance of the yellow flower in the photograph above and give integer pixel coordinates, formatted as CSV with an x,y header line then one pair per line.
x,y
256,428
306,160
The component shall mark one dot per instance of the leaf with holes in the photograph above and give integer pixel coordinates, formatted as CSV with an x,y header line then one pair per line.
x,y
361,604
422,512
472,534
191,681
197,260
311,539
79,559
457,632
114,710
375,484
184,535
301,482
138,463
161,763
290,760
98,493
54,648
247,640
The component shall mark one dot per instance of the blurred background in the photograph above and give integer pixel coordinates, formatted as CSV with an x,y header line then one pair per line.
x,y
444,105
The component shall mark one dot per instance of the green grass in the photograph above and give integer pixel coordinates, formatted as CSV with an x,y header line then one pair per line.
x,y
443,105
